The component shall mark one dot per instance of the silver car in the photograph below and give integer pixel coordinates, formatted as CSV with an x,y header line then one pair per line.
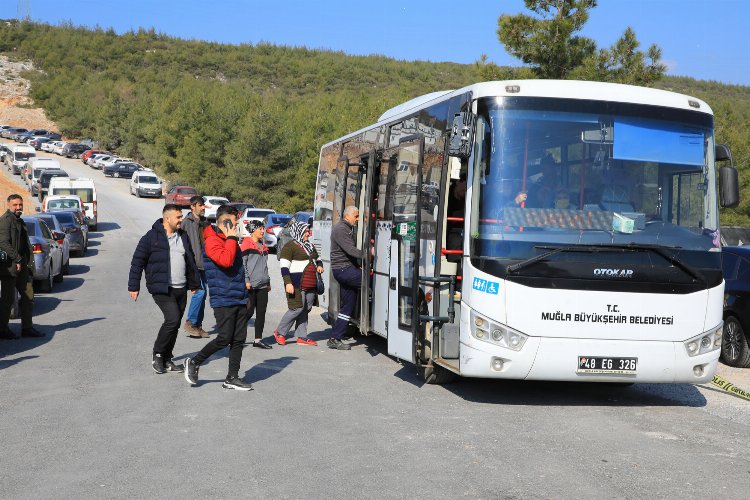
x,y
47,254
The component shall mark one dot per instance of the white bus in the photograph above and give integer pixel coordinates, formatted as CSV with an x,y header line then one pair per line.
x,y
586,247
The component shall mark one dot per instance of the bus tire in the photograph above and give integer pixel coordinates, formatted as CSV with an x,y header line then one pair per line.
x,y
435,375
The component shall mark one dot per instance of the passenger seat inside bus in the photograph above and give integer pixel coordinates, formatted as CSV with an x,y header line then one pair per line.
x,y
615,198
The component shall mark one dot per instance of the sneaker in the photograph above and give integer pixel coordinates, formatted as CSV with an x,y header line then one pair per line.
x,y
306,341
31,332
191,371
204,333
158,364
262,345
171,367
192,331
338,345
237,384
279,338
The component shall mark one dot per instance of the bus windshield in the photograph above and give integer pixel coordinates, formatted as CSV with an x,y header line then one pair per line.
x,y
556,172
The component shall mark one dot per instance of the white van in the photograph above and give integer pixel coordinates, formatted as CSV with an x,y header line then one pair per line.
x,y
17,157
145,183
82,187
34,168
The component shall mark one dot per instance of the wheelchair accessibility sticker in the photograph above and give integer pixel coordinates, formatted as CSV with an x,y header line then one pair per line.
x,y
485,286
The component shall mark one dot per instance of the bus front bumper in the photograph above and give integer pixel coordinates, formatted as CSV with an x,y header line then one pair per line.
x,y
558,358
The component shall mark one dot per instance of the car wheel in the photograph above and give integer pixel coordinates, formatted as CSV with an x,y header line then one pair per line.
x,y
734,348
59,277
137,193
45,286
66,267
116,174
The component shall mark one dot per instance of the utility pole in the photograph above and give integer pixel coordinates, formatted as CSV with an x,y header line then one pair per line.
x,y
24,10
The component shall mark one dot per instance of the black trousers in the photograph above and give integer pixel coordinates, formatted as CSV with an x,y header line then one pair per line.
x,y
232,325
172,305
258,301
22,283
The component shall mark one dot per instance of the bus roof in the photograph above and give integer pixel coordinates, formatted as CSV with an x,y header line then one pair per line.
x,y
561,89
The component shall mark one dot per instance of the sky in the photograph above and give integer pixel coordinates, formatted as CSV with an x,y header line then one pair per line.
x,y
701,39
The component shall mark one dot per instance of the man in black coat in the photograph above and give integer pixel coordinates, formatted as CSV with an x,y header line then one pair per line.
x,y
165,254
16,270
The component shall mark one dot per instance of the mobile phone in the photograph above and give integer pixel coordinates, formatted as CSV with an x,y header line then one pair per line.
x,y
227,224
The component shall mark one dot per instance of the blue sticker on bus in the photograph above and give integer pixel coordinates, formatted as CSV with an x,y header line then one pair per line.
x,y
492,287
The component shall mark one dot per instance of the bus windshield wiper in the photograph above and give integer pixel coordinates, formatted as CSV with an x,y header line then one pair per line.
x,y
514,268
663,252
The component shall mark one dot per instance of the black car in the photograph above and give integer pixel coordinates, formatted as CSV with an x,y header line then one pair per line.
x,y
74,150
734,345
124,170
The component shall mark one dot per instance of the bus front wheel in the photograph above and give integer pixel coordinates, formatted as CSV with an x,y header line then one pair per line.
x,y
427,370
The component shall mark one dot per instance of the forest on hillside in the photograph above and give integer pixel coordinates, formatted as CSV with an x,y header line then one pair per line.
x,y
248,121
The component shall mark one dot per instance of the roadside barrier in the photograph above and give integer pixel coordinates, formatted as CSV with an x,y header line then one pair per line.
x,y
726,385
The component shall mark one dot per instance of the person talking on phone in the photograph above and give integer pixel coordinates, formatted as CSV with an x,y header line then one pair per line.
x,y
225,276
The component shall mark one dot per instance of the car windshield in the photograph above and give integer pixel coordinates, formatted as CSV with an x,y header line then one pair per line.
x,y
50,221
65,218
57,204
257,213
31,227
24,156
279,219
562,172
187,191
148,179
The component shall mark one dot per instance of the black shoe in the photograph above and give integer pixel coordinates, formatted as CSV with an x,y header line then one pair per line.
x,y
31,332
338,345
171,367
158,364
191,371
237,384
7,334
261,345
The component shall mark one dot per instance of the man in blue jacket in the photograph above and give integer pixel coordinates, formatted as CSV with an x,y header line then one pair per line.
x,y
165,254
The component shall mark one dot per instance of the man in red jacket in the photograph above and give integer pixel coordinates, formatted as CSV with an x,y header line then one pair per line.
x,y
225,276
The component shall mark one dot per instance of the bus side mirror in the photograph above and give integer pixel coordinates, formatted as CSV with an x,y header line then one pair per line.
x,y
462,135
729,178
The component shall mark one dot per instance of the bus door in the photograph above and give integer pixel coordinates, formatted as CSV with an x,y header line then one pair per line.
x,y
403,301
368,217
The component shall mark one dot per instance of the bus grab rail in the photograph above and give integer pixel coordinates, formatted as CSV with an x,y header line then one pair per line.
x,y
451,280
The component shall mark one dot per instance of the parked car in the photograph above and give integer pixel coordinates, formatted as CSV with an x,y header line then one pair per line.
x,y
62,202
274,223
17,157
37,142
11,131
145,183
91,152
34,169
71,223
43,185
74,150
3,151
284,236
37,132
53,223
252,214
58,146
98,161
180,195
212,205
48,146
47,252
85,189
735,262
124,170
240,206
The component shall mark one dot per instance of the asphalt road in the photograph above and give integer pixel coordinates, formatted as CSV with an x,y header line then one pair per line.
x,y
84,416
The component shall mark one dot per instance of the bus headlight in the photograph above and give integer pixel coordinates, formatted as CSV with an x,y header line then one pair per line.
x,y
487,331
705,342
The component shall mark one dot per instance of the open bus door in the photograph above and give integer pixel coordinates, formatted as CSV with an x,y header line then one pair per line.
x,y
403,296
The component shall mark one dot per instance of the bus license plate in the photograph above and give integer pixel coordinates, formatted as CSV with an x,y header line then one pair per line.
x,y
616,366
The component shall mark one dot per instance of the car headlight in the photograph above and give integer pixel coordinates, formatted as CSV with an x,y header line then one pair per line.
x,y
705,342
487,331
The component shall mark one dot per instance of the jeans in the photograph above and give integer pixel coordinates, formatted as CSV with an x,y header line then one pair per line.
x,y
22,282
297,316
198,303
350,281
232,325
172,305
258,301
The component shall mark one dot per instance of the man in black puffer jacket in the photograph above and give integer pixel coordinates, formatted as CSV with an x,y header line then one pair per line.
x,y
165,254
